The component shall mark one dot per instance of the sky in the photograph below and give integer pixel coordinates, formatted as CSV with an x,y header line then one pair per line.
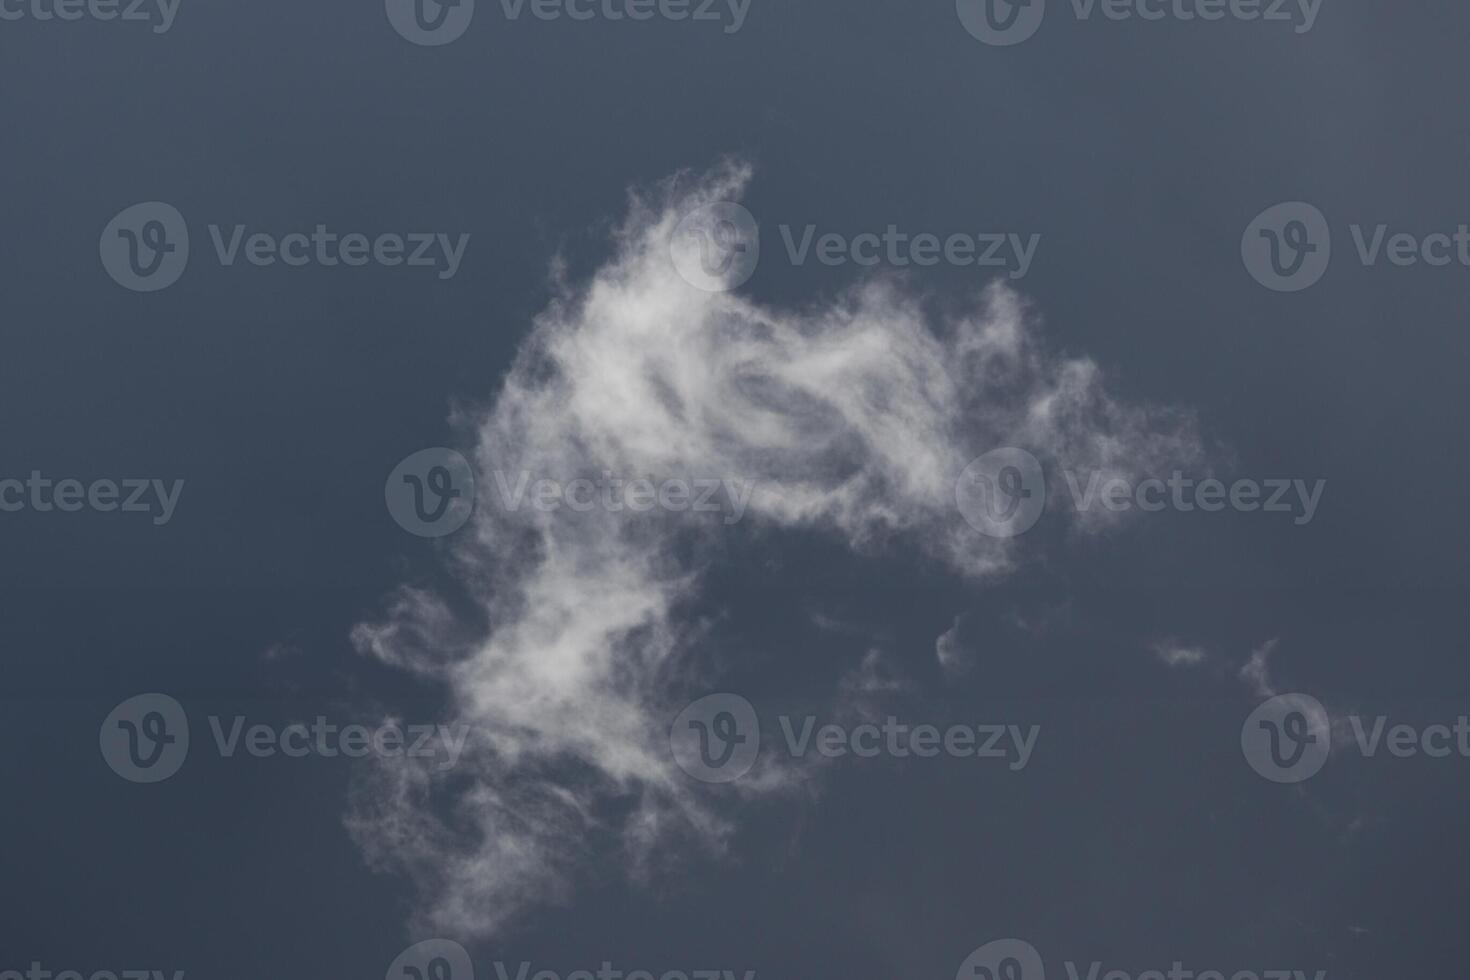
x,y
815,490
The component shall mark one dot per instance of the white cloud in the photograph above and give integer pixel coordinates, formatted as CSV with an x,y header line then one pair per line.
x,y
853,419
954,656
1257,670
1177,654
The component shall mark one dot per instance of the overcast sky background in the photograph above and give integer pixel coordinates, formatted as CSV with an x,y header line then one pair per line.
x,y
1139,152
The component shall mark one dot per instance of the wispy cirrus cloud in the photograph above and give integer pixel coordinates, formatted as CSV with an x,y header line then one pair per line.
x,y
576,642
1256,671
1176,653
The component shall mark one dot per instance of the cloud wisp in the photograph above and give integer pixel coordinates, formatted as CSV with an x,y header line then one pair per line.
x,y
570,641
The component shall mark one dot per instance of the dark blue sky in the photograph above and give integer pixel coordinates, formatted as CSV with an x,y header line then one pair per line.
x,y
1138,151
